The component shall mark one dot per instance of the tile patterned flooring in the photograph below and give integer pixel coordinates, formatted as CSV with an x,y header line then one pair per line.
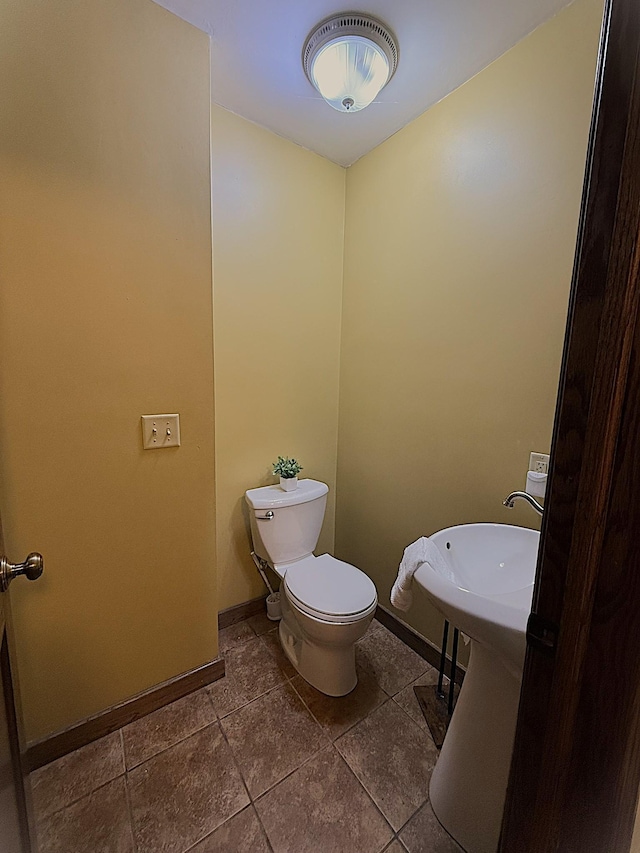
x,y
258,762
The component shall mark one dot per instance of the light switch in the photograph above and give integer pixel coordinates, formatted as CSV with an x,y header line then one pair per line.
x,y
160,431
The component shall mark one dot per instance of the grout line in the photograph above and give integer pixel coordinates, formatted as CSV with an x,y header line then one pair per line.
x,y
213,707
327,744
352,726
411,816
199,841
171,745
330,743
236,764
255,615
222,652
204,837
264,831
285,678
450,837
273,655
248,807
311,714
309,758
255,699
128,797
124,754
79,799
175,742
344,758
376,806
40,820
425,731
246,787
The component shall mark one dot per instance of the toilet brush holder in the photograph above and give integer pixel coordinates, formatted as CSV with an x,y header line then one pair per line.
x,y
274,610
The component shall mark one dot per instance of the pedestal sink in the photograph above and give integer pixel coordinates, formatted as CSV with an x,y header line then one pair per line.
x,y
487,595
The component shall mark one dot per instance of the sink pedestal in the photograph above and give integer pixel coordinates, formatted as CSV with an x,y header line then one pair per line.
x,y
469,783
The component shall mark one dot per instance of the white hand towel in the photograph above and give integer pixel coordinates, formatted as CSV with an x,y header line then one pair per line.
x,y
419,552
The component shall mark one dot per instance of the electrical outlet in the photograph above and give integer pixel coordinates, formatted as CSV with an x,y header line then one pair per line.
x,y
160,431
539,462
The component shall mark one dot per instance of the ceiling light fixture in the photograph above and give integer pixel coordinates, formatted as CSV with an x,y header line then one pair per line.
x,y
349,58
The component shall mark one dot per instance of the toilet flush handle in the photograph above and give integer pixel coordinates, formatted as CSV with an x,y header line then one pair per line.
x,y
267,517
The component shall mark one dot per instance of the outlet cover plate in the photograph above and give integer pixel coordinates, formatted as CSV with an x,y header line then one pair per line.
x,y
539,462
160,431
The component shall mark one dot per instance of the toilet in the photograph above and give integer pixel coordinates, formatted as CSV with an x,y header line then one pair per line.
x,y
327,605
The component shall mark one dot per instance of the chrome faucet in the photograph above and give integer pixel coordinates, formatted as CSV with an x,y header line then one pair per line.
x,y
524,496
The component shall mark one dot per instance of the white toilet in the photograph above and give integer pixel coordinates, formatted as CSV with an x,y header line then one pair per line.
x,y
327,605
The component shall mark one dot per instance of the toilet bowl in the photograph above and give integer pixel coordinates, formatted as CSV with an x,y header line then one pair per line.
x,y
327,604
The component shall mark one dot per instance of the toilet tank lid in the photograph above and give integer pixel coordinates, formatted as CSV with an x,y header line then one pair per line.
x,y
273,497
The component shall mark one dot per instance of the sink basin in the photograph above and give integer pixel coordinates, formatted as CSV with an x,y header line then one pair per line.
x,y
486,592
489,589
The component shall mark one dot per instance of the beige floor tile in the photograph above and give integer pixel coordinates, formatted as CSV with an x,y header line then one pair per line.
x,y
338,714
234,635
391,662
98,823
423,834
250,670
183,794
152,734
322,807
73,776
393,758
406,698
240,834
271,737
185,787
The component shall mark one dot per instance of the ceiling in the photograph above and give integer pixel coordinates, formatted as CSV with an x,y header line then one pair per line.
x,y
256,68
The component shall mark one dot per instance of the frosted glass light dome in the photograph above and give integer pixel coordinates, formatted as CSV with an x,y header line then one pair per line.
x,y
349,58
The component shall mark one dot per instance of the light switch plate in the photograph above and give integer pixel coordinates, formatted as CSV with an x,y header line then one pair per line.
x,y
159,431
539,462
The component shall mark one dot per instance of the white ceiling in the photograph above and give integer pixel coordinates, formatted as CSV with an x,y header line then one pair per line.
x,y
256,68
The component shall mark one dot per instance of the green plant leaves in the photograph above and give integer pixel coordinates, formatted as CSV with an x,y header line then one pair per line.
x,y
286,468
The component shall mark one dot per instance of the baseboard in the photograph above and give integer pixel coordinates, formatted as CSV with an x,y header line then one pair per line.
x,y
240,612
62,743
55,746
425,648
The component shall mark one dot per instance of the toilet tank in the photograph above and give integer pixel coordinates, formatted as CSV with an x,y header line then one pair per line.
x,y
292,533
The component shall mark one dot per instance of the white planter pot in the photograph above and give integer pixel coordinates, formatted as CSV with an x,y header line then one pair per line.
x,y
288,484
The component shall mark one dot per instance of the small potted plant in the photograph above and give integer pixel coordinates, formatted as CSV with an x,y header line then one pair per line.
x,y
288,470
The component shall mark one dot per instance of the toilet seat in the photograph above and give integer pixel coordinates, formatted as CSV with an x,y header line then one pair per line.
x,y
330,590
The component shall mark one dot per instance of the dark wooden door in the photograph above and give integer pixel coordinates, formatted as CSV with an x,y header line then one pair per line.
x,y
11,840
576,766
16,834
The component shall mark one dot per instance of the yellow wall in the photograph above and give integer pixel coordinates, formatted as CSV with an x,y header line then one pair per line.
x,y
105,314
460,233
278,222
459,242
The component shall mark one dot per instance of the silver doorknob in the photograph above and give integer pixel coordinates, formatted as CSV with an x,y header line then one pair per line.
x,y
32,567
